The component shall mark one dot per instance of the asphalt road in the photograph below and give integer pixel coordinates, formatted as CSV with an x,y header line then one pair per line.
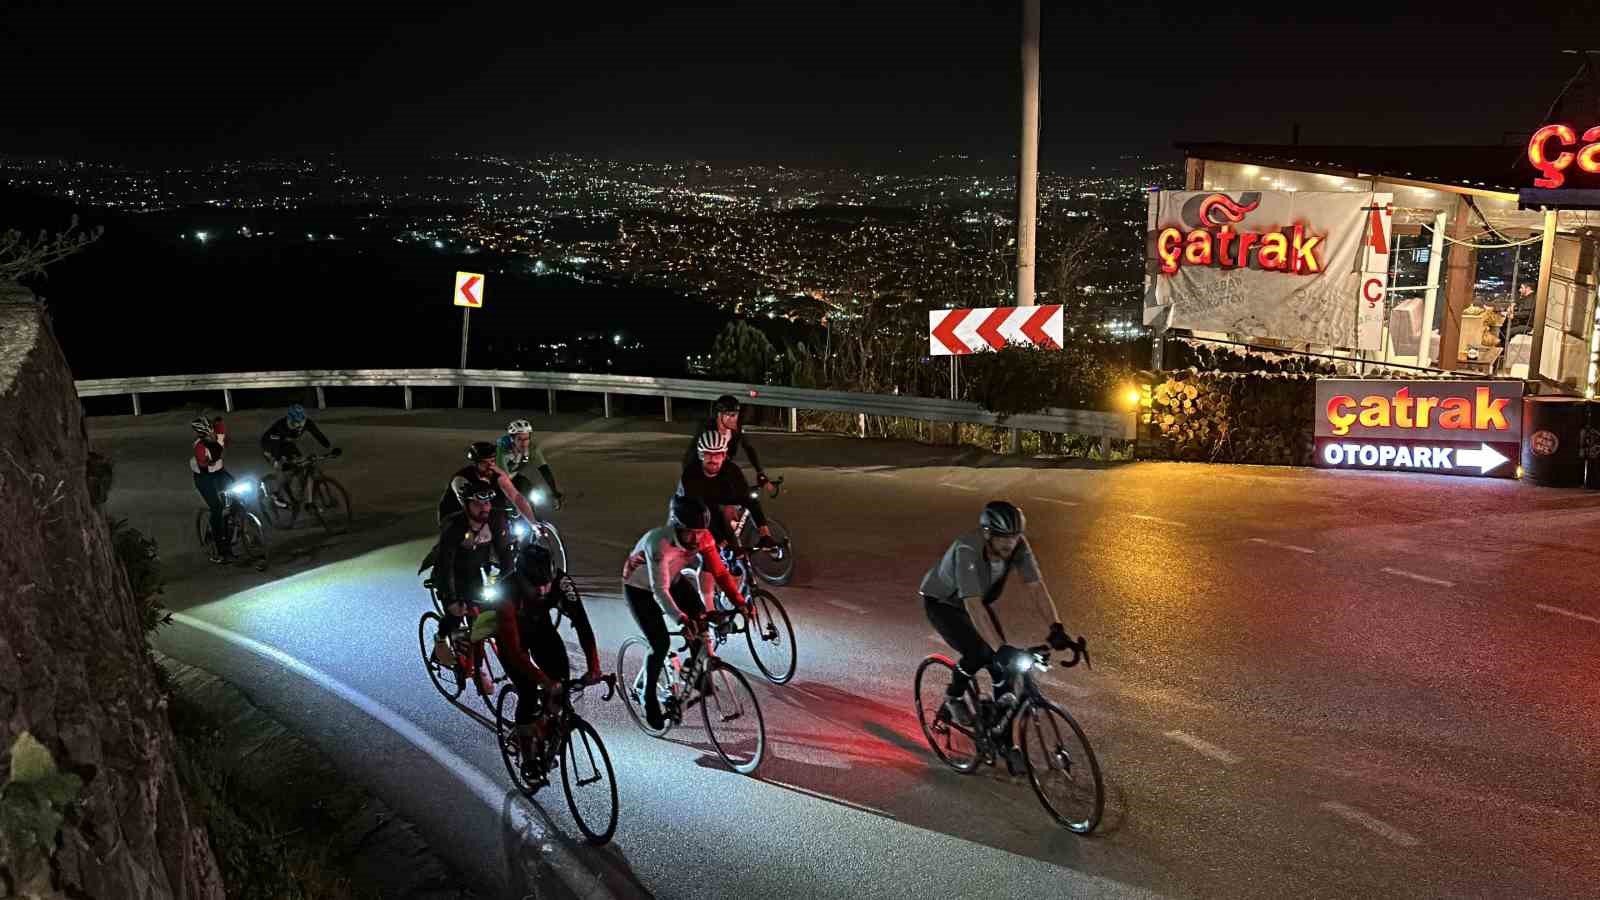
x,y
1306,683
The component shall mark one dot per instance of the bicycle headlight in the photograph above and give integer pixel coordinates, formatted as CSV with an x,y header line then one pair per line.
x,y
491,593
537,496
520,530
242,488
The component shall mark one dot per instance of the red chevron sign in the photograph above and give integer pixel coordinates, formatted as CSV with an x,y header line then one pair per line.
x,y
956,332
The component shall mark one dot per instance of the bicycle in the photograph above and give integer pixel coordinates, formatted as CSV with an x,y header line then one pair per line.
x,y
774,565
581,760
470,660
767,619
549,537
1037,723
728,704
326,498
241,525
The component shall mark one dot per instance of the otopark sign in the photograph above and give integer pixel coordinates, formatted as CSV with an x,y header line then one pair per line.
x,y
1471,428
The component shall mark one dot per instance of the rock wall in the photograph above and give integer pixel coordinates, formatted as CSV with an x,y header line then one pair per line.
x,y
75,671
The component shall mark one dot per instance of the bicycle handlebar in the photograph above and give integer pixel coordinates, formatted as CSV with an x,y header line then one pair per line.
x,y
1079,648
575,686
774,486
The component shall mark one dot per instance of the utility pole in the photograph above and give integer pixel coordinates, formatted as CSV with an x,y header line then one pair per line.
x,y
1028,159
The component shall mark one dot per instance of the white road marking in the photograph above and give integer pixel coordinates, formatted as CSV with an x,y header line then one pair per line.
x,y
1371,823
1282,546
821,796
1422,578
1054,500
959,487
491,793
1157,520
1567,612
1204,748
859,610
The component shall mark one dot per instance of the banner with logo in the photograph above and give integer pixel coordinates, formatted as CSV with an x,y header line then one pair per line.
x,y
1284,265
1443,427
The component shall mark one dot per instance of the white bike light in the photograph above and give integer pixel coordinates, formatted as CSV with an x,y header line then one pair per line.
x,y
520,530
243,488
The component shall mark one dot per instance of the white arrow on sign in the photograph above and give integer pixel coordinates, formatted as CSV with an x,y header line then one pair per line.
x,y
1486,458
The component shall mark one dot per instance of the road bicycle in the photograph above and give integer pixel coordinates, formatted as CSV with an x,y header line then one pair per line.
x,y
239,524
775,564
569,742
766,628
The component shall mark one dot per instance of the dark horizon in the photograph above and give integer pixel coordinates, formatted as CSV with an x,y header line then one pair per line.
x,y
835,86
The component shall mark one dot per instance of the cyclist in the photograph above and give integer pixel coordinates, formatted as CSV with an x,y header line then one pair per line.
x,y
515,450
280,444
470,540
672,572
210,478
534,654
482,467
716,481
959,593
725,419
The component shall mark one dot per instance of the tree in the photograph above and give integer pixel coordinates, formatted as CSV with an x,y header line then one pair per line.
x,y
21,257
742,353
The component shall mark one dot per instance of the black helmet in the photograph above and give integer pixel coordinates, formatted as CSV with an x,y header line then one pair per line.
x,y
688,512
536,565
726,403
1002,518
478,490
477,451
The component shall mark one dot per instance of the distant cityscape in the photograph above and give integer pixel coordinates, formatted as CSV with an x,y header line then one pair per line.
x,y
756,240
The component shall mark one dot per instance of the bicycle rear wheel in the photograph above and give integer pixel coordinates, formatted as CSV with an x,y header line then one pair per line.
x,y
960,747
586,770
331,503
775,566
252,540
446,679
1061,766
733,717
773,648
558,550
631,678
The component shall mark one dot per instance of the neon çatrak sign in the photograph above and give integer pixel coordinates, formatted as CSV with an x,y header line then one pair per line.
x,y
1441,427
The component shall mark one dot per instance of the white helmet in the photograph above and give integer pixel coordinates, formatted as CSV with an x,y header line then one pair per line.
x,y
520,426
712,441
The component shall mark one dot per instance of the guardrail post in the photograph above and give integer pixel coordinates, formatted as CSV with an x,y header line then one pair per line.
x,y
322,398
794,419
550,400
861,424
227,399
494,398
136,410
461,396
666,403
1105,448
605,400
407,389
1014,442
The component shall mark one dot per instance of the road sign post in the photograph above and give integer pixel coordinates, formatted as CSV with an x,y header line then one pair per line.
x,y
469,296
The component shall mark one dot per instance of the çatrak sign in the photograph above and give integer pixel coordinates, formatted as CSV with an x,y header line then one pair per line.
x,y
1306,266
1443,427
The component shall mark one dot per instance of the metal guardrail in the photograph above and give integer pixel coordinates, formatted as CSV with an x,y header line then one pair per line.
x,y
1104,425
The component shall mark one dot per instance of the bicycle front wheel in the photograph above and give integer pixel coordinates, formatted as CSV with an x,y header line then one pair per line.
x,y
447,679
332,504
590,784
771,637
252,540
774,566
960,746
1061,766
278,517
632,676
525,775
733,717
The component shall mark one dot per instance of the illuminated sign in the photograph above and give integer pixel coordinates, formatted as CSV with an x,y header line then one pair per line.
x,y
1444,427
1554,149
1217,243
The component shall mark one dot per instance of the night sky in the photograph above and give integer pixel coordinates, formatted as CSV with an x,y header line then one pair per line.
x,y
805,82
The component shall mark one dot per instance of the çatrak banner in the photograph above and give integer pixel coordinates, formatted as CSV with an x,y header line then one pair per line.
x,y
1285,265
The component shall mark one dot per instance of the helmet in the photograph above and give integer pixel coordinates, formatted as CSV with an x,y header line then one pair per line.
x,y
297,415
535,564
202,427
477,451
1000,517
478,490
711,442
688,512
520,426
726,403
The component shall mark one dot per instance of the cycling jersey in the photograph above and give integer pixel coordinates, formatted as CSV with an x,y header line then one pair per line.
x,y
727,488
658,560
964,572
206,455
509,458
465,550
276,440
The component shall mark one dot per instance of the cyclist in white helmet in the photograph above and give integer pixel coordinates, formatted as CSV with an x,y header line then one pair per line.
x,y
515,450
716,481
